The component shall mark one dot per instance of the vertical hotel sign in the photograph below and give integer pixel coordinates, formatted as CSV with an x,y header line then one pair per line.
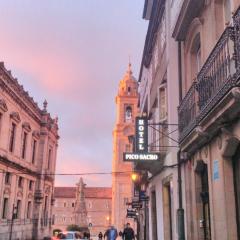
x,y
141,144
141,134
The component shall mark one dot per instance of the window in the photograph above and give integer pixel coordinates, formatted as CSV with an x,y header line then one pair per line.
x,y
30,186
24,144
7,178
5,208
49,158
29,208
129,90
162,102
90,205
64,204
18,208
34,145
12,137
73,205
195,56
20,182
128,114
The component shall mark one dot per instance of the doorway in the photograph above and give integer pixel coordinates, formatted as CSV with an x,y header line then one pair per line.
x,y
236,179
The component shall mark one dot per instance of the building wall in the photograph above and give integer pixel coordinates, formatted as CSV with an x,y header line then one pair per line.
x,y
17,107
161,73
121,181
98,213
216,150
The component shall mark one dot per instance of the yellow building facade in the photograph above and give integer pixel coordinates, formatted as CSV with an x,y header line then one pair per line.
x,y
127,110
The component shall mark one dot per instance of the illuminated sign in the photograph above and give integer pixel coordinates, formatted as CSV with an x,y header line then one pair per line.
x,y
130,157
141,134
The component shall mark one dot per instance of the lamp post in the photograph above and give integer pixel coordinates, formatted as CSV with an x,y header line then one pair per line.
x,y
14,211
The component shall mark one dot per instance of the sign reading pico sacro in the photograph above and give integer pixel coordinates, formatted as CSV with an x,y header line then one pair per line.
x,y
129,157
141,134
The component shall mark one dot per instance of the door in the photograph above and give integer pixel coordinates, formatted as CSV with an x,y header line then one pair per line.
x,y
205,203
236,176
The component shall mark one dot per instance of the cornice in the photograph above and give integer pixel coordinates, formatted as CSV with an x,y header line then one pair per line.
x,y
155,20
18,167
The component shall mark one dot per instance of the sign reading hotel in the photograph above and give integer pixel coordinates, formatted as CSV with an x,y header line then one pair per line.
x,y
141,144
141,134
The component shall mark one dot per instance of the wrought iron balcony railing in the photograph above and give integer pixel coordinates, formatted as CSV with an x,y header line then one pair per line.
x,y
219,74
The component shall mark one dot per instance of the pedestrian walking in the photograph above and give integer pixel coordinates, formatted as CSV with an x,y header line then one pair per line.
x,y
100,236
111,233
128,233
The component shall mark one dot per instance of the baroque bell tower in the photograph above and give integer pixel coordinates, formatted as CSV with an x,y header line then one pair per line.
x,y
127,110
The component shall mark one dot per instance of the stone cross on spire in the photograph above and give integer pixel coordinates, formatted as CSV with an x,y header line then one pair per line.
x,y
80,210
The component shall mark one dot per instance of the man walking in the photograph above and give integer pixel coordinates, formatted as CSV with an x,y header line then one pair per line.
x,y
128,233
111,233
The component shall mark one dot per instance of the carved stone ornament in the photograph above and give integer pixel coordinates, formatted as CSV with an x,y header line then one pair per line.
x,y
3,105
19,194
7,191
36,134
27,126
47,190
205,151
219,142
15,116
30,195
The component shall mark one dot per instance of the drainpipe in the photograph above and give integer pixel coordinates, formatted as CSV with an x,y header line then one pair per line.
x,y
180,211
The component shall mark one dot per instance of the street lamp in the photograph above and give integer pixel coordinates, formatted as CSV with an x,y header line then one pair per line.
x,y
135,177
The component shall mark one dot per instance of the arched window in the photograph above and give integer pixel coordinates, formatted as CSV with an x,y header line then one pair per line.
x,y
195,55
128,114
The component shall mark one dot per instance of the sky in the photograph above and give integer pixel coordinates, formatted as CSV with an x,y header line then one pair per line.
x,y
73,53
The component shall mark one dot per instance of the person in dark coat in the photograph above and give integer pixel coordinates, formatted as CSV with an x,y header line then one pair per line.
x,y
100,236
128,233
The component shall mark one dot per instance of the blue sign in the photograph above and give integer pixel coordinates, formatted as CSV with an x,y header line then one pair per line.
x,y
216,170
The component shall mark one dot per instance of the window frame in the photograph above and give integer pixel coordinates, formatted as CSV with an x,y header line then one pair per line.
x,y
12,137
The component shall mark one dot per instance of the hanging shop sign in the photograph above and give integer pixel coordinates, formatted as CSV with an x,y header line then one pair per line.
x,y
143,197
131,213
141,134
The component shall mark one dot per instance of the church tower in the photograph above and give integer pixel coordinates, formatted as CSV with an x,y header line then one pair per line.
x,y
127,110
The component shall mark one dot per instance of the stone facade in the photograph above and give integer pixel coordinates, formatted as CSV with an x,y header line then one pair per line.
x,y
209,129
127,110
158,90
97,201
201,64
28,149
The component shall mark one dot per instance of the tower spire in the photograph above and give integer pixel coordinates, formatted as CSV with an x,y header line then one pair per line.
x,y
129,65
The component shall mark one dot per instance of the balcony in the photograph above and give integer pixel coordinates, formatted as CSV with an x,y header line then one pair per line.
x,y
219,74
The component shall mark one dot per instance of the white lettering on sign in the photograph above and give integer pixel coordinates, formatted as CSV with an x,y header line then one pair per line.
x,y
147,156
141,128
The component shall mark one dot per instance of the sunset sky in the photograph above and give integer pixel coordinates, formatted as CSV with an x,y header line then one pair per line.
x,y
74,53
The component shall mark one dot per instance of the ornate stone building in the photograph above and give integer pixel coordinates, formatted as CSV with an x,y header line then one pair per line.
x,y
28,149
209,127
127,110
84,206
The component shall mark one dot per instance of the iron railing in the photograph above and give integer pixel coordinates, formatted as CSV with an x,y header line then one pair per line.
x,y
219,74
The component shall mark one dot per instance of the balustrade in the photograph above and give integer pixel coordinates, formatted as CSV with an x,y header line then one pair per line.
x,y
218,75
